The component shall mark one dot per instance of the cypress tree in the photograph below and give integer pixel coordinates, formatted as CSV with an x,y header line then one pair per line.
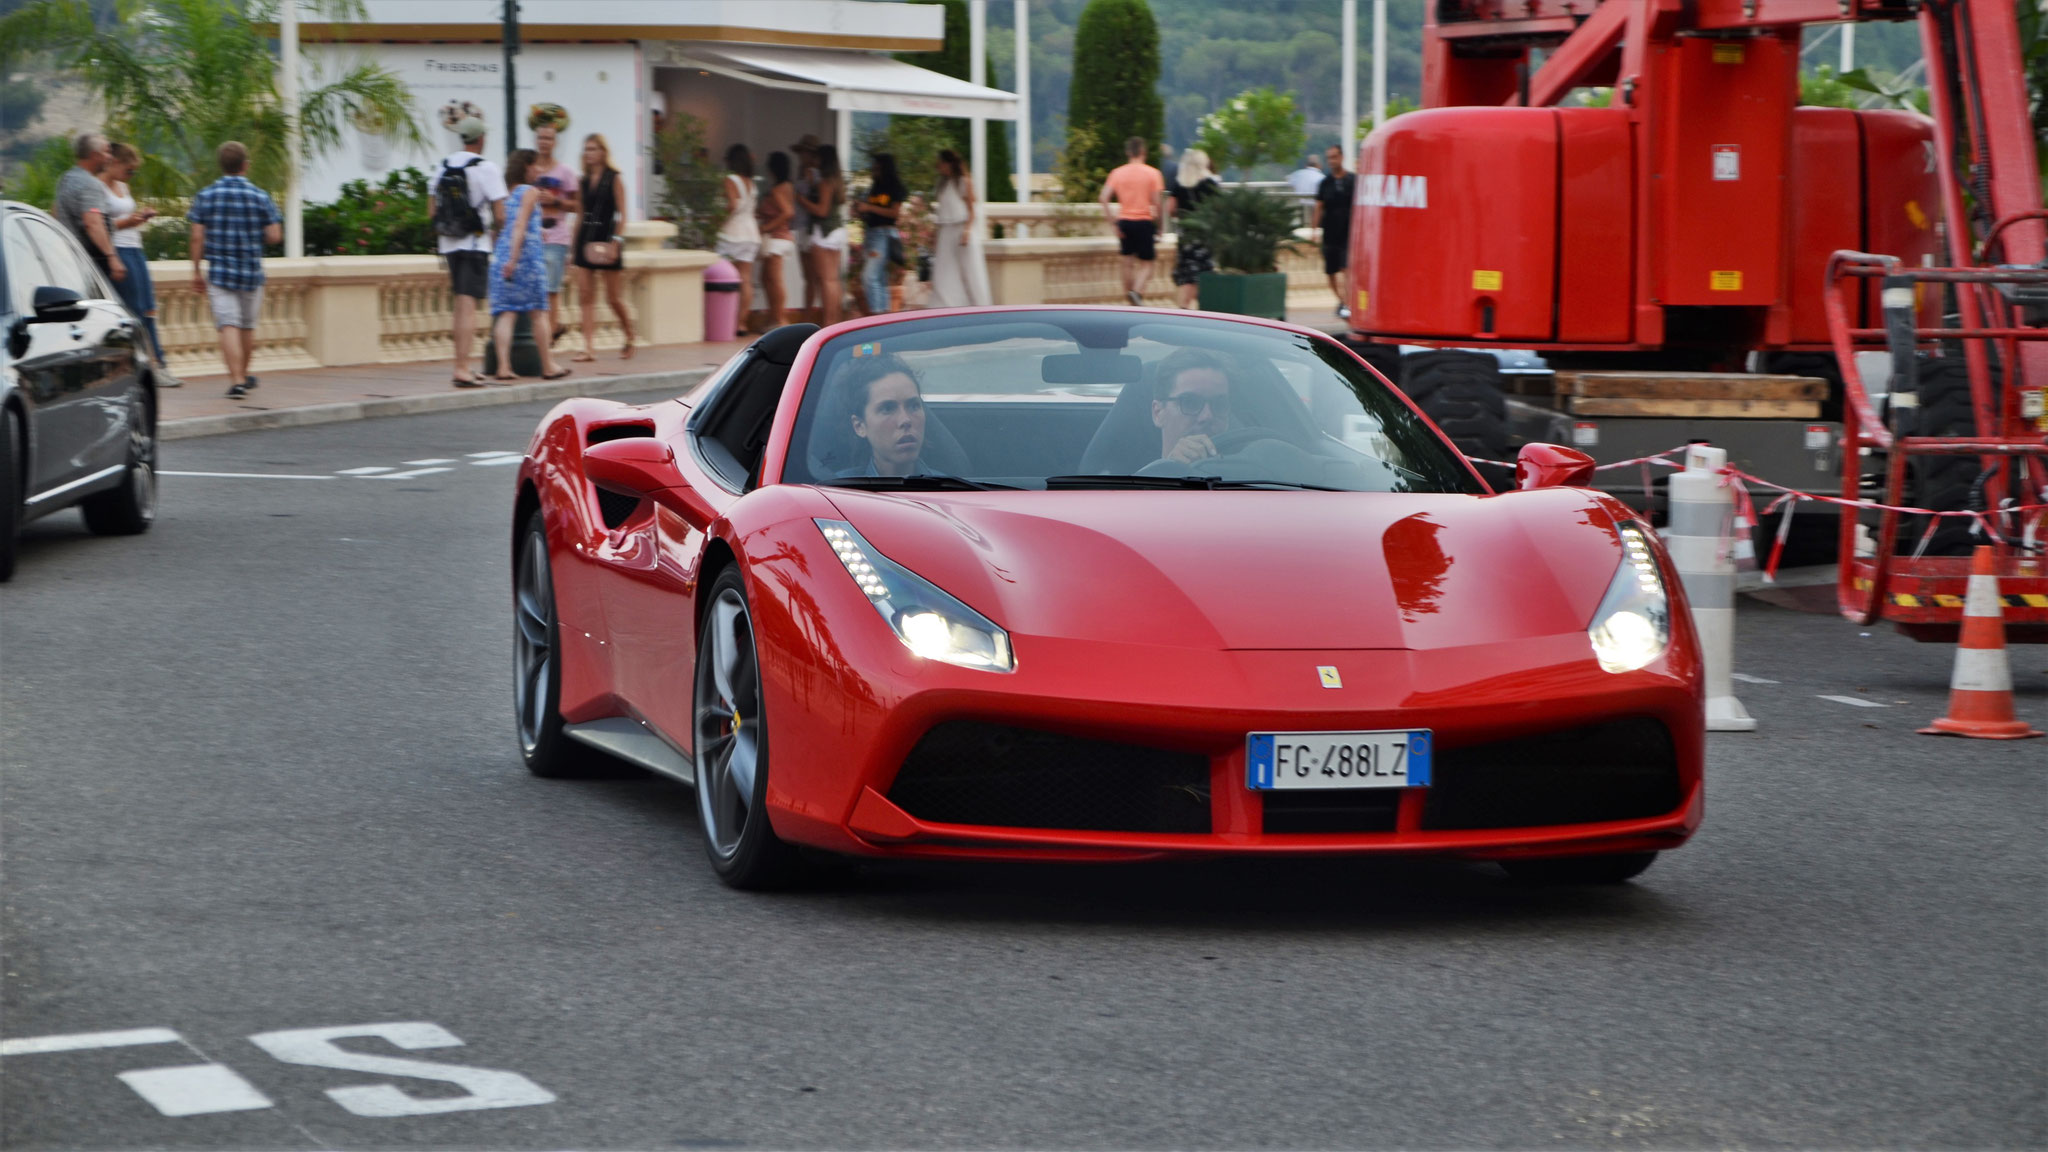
x,y
952,60
1114,92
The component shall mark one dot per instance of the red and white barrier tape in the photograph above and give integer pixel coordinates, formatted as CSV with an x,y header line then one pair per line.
x,y
1741,480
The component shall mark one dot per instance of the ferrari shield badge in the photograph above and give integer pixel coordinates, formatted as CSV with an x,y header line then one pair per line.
x,y
1329,674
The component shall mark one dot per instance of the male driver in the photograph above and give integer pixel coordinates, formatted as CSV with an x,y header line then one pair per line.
x,y
1136,187
82,202
558,190
232,220
1191,403
1333,216
469,257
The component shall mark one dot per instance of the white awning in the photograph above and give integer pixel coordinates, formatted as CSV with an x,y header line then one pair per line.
x,y
853,81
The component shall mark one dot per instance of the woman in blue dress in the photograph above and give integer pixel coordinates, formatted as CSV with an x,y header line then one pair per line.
x,y
519,278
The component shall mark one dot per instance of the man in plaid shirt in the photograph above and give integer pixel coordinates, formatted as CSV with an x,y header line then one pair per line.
x,y
232,220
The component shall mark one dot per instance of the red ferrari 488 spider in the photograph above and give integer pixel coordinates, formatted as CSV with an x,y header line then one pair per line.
x,y
1092,584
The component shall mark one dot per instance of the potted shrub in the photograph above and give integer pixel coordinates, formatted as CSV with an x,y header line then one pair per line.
x,y
1244,230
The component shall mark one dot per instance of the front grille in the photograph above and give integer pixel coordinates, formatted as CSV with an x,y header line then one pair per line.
x,y
967,772
1353,810
1624,770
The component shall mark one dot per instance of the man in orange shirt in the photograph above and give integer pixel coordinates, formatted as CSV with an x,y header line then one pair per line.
x,y
1136,187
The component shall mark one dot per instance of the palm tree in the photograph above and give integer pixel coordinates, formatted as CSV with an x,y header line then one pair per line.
x,y
179,77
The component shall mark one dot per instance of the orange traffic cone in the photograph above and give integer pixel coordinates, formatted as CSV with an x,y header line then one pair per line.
x,y
1980,692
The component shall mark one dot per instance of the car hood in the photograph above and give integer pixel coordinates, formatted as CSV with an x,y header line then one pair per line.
x,y
1256,569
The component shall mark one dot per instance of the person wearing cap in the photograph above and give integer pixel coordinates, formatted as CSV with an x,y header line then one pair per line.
x,y
469,257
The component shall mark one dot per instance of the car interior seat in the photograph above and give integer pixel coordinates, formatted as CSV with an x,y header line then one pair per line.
x,y
1127,439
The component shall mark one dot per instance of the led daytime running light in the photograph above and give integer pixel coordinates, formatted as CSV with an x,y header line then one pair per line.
x,y
930,622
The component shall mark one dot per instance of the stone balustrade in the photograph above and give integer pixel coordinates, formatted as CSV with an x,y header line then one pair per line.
x,y
1087,270
342,310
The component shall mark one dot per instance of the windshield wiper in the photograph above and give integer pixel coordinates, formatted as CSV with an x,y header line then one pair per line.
x,y
1177,482
920,482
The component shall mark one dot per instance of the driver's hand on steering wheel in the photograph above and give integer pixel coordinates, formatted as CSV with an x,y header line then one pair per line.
x,y
1192,448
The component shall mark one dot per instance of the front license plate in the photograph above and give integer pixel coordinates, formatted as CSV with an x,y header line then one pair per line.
x,y
1323,760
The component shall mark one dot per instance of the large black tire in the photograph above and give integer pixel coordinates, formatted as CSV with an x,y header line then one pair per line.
x,y
1613,868
10,490
730,742
1941,483
130,509
1461,392
536,666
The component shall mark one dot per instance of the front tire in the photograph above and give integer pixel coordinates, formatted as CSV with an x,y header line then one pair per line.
x,y
730,741
1613,868
130,509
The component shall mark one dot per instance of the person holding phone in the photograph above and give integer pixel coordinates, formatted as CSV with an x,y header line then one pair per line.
x,y
126,218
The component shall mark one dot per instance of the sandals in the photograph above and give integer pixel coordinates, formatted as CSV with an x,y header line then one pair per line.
x,y
626,353
557,374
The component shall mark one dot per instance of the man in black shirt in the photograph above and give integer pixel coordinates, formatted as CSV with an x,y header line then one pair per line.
x,y
1333,216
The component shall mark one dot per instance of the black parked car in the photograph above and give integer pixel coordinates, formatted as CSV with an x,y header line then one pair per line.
x,y
77,392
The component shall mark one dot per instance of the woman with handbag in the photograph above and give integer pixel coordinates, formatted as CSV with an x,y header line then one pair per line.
x,y
519,270
776,211
599,256
878,213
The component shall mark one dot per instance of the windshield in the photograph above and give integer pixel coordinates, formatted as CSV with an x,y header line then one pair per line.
x,y
1106,400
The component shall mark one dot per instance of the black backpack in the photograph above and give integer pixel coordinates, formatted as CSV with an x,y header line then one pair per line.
x,y
454,215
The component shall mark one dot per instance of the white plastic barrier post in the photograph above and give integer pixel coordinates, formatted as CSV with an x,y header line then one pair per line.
x,y
1700,540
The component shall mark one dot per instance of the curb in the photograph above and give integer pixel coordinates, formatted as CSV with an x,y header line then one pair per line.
x,y
193,426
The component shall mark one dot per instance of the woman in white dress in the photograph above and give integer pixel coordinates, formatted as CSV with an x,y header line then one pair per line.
x,y
739,238
959,274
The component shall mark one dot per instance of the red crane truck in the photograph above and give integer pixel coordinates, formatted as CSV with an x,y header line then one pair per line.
x,y
1820,291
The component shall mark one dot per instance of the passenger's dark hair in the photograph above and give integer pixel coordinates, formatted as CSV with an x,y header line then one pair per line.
x,y
778,167
739,161
517,165
860,376
828,161
1182,360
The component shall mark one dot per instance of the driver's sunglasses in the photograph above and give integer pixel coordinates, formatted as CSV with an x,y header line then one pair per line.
x,y
1192,403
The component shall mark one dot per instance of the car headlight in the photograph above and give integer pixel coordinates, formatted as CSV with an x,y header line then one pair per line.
x,y
1633,625
929,621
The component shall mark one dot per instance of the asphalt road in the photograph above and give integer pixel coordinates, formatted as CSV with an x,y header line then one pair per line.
x,y
260,777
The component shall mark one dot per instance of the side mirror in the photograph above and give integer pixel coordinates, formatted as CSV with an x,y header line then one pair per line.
x,y
1552,466
54,305
646,467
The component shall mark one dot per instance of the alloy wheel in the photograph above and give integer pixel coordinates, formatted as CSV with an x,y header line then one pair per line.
x,y
533,658
728,711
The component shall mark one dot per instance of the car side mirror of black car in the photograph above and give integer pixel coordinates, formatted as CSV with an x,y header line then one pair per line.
x,y
644,467
54,305
1552,466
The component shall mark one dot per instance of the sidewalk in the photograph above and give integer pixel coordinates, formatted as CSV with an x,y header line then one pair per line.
x,y
365,391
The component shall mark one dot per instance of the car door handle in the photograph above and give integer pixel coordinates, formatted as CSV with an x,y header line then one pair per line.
x,y
77,333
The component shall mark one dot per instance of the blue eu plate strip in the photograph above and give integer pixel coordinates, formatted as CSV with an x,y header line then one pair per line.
x,y
1259,760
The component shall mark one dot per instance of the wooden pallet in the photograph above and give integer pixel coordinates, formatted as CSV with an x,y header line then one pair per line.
x,y
1717,395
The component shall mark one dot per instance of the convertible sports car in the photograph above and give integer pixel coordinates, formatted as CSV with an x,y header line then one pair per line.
x,y
1091,584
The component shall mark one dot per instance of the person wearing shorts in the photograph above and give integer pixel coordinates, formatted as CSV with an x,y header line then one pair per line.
x,y
231,221
559,206
469,257
1136,188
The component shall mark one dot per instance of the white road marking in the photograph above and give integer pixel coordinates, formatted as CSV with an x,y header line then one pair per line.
x,y
248,475
81,1041
487,455
195,1090
487,1087
1746,678
425,463
370,471
512,459
1856,700
407,475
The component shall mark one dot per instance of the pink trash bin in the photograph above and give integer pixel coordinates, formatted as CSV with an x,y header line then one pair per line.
x,y
721,302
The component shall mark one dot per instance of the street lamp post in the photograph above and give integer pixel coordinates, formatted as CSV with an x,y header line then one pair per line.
x,y
511,38
288,85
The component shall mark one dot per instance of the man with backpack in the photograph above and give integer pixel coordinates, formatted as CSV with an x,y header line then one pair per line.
x,y
466,187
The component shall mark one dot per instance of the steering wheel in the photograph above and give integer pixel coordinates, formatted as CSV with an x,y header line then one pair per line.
x,y
1238,439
